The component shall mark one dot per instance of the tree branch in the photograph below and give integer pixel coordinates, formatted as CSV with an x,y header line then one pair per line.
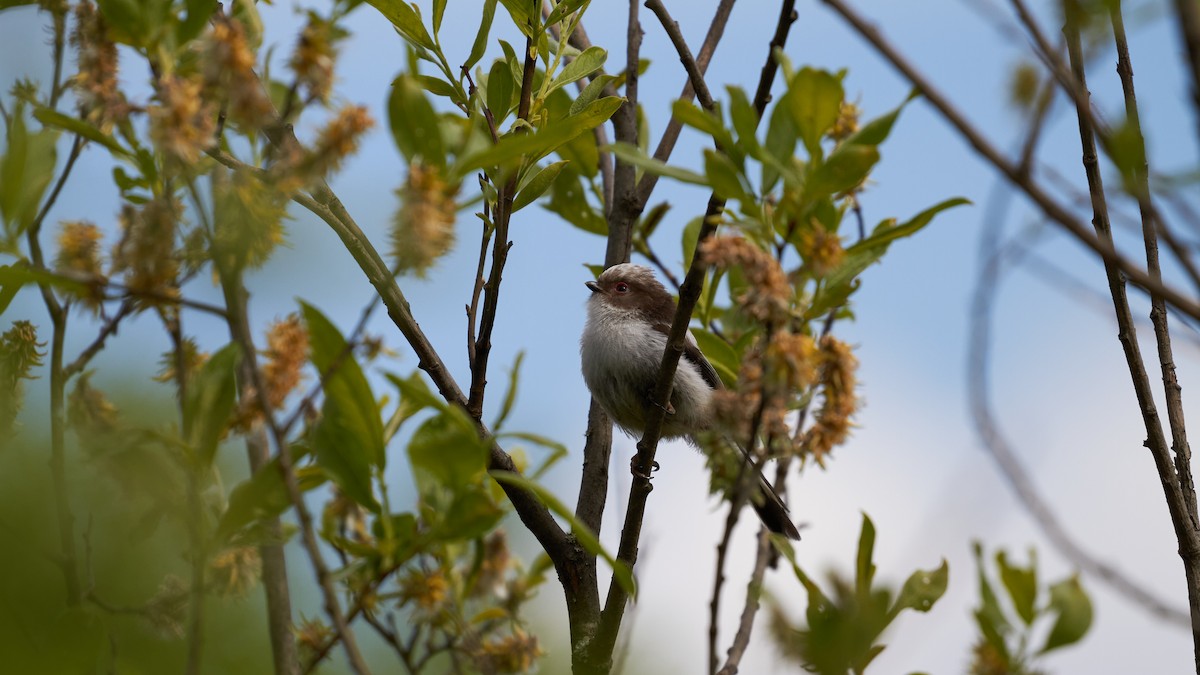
x,y
1055,211
666,144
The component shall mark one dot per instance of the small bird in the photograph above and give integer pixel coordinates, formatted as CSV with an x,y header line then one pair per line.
x,y
629,318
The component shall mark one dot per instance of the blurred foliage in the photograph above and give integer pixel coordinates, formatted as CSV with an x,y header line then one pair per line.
x,y
841,632
1011,631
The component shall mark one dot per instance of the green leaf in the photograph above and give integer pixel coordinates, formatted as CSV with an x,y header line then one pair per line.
x,y
414,123
845,169
876,131
630,154
13,277
745,120
264,495
522,16
439,8
407,20
725,178
534,146
510,396
568,201
719,353
864,568
26,169
126,20
557,450
863,254
447,449
588,62
989,616
348,439
780,143
500,89
1074,609
691,238
472,514
437,86
209,401
198,13
814,99
621,572
590,93
1021,583
481,37
563,9
693,116
537,185
922,589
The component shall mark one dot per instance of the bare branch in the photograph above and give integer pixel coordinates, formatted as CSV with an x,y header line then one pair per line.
x,y
1054,210
666,144
695,77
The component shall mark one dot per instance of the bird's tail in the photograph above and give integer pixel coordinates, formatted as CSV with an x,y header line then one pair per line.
x,y
772,511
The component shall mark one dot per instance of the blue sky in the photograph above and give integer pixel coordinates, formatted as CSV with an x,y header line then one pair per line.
x,y
914,463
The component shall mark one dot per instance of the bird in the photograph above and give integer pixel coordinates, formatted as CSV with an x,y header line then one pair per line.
x,y
629,315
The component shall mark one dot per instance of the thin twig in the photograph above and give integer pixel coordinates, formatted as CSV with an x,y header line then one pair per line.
x,y
500,248
235,300
1188,14
1055,211
666,144
107,330
695,76
741,638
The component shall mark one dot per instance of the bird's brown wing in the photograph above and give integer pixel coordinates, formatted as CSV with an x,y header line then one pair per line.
x,y
693,355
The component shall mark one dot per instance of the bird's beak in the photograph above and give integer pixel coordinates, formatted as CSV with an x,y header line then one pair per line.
x,y
593,286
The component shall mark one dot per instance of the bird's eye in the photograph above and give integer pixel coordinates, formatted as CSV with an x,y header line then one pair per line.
x,y
621,287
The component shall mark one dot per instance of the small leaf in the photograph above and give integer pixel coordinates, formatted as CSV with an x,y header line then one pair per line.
x,y
569,202
922,589
690,114
348,439
632,155
691,238
557,450
522,17
725,178
590,93
263,495
814,99
481,37
586,538
510,396
745,120
26,169
534,146
500,90
780,143
537,185
437,86
588,62
562,10
472,514
447,449
439,9
989,616
845,169
210,398
414,123
1074,609
52,118
1021,583
864,568
876,131
407,20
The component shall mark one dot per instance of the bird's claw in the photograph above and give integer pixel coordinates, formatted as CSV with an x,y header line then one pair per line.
x,y
637,470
